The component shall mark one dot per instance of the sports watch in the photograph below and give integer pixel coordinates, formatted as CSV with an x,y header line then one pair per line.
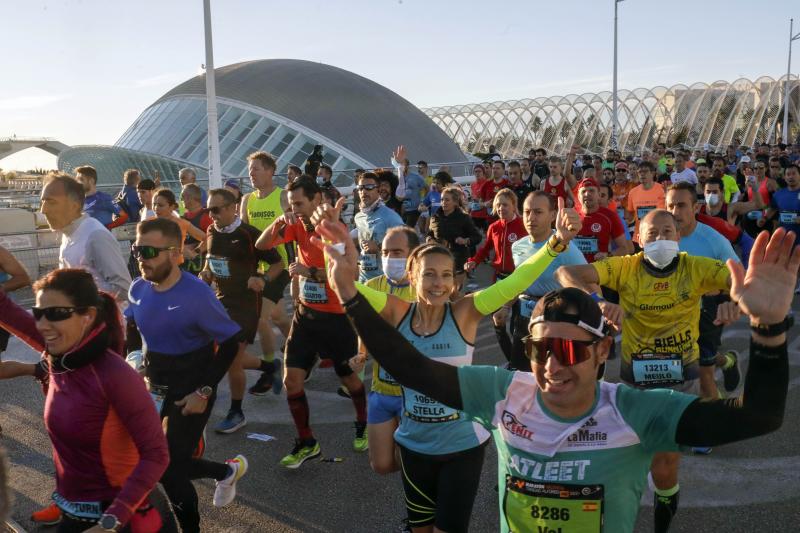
x,y
109,522
205,392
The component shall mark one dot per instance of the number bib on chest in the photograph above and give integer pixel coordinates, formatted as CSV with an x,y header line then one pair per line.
x,y
755,215
474,205
642,211
420,408
552,507
91,511
526,306
657,369
386,377
369,262
587,245
313,292
219,266
788,217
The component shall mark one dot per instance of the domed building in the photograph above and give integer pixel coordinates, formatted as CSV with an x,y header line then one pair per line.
x,y
282,106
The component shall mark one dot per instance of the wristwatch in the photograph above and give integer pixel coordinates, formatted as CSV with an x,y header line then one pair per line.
x,y
773,330
109,522
312,273
555,244
205,392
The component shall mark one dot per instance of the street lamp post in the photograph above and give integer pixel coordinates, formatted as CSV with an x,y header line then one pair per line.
x,y
214,170
786,84
614,116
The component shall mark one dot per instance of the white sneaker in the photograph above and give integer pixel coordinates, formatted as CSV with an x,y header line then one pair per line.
x,y
226,489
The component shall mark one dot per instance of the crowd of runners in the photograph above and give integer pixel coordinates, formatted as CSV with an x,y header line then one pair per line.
x,y
661,249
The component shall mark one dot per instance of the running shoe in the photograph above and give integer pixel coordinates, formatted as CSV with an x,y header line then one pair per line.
x,y
361,442
226,489
302,451
233,421
263,385
701,450
732,375
49,516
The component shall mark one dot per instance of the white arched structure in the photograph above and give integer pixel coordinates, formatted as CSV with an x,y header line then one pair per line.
x,y
12,145
695,115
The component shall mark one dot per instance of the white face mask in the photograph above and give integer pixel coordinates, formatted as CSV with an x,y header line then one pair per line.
x,y
661,253
320,180
394,268
712,198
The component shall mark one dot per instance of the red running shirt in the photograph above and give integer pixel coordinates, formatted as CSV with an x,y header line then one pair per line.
x,y
597,232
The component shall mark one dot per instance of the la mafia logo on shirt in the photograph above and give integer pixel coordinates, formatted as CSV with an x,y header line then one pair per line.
x,y
513,425
588,435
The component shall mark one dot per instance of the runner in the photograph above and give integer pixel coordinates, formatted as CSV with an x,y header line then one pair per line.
x,y
108,445
179,320
572,452
372,221
556,184
441,451
98,204
698,239
12,277
600,227
232,263
500,237
385,403
785,203
145,191
539,215
660,291
165,207
318,326
197,214
520,187
492,186
643,198
480,217
260,208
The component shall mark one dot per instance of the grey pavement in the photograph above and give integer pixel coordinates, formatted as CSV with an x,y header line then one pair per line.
x,y
748,486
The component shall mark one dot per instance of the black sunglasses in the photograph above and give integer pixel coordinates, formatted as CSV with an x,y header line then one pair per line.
x,y
55,314
217,208
567,352
367,187
148,252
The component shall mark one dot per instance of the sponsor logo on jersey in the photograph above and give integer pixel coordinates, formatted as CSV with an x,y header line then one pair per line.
x,y
516,427
550,470
512,237
661,286
596,227
588,435
261,214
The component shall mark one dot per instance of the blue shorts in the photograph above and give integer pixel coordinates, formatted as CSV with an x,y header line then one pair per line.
x,y
383,407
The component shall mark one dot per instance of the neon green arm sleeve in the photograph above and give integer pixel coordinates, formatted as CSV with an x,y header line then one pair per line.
x,y
376,299
493,298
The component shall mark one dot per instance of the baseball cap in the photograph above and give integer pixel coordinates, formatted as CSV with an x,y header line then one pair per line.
x,y
700,161
621,165
744,159
588,182
233,184
571,305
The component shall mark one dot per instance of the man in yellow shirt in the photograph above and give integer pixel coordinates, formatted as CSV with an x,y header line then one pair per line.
x,y
659,314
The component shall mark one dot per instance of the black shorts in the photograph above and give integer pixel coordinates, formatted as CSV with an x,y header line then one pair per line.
x,y
247,317
441,489
328,334
710,338
4,336
273,291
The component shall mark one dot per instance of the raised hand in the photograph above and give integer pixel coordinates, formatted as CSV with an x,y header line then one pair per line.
x,y
766,290
568,222
326,212
400,154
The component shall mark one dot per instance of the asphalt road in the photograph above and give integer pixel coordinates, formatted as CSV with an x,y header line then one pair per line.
x,y
749,486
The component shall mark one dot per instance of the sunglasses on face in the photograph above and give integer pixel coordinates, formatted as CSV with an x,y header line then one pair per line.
x,y
367,187
55,314
217,209
148,252
568,352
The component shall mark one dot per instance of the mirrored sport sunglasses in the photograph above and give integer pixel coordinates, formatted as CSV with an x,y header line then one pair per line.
x,y
367,187
567,352
55,314
148,252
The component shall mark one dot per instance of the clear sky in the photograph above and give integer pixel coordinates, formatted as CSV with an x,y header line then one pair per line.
x,y
82,70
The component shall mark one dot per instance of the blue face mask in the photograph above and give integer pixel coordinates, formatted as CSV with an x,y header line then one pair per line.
x,y
394,268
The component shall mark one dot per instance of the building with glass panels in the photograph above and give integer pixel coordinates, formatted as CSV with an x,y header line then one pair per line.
x,y
282,106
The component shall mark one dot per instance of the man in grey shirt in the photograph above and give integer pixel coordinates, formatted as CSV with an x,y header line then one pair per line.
x,y
85,242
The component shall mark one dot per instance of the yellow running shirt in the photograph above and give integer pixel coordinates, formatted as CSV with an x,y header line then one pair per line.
x,y
382,382
261,212
661,314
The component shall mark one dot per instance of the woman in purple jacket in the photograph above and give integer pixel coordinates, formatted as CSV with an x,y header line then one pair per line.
x,y
108,445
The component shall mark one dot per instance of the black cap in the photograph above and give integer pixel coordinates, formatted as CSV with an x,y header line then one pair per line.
x,y
560,306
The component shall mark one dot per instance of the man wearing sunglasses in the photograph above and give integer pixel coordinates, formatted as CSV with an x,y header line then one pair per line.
x,y
190,343
372,221
232,262
574,452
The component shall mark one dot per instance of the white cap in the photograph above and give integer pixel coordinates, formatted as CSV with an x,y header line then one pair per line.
x,y
744,159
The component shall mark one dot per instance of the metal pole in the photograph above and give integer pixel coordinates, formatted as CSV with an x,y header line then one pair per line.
x,y
214,170
614,117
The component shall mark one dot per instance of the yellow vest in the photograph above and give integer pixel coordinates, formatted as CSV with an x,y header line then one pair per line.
x,y
261,212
